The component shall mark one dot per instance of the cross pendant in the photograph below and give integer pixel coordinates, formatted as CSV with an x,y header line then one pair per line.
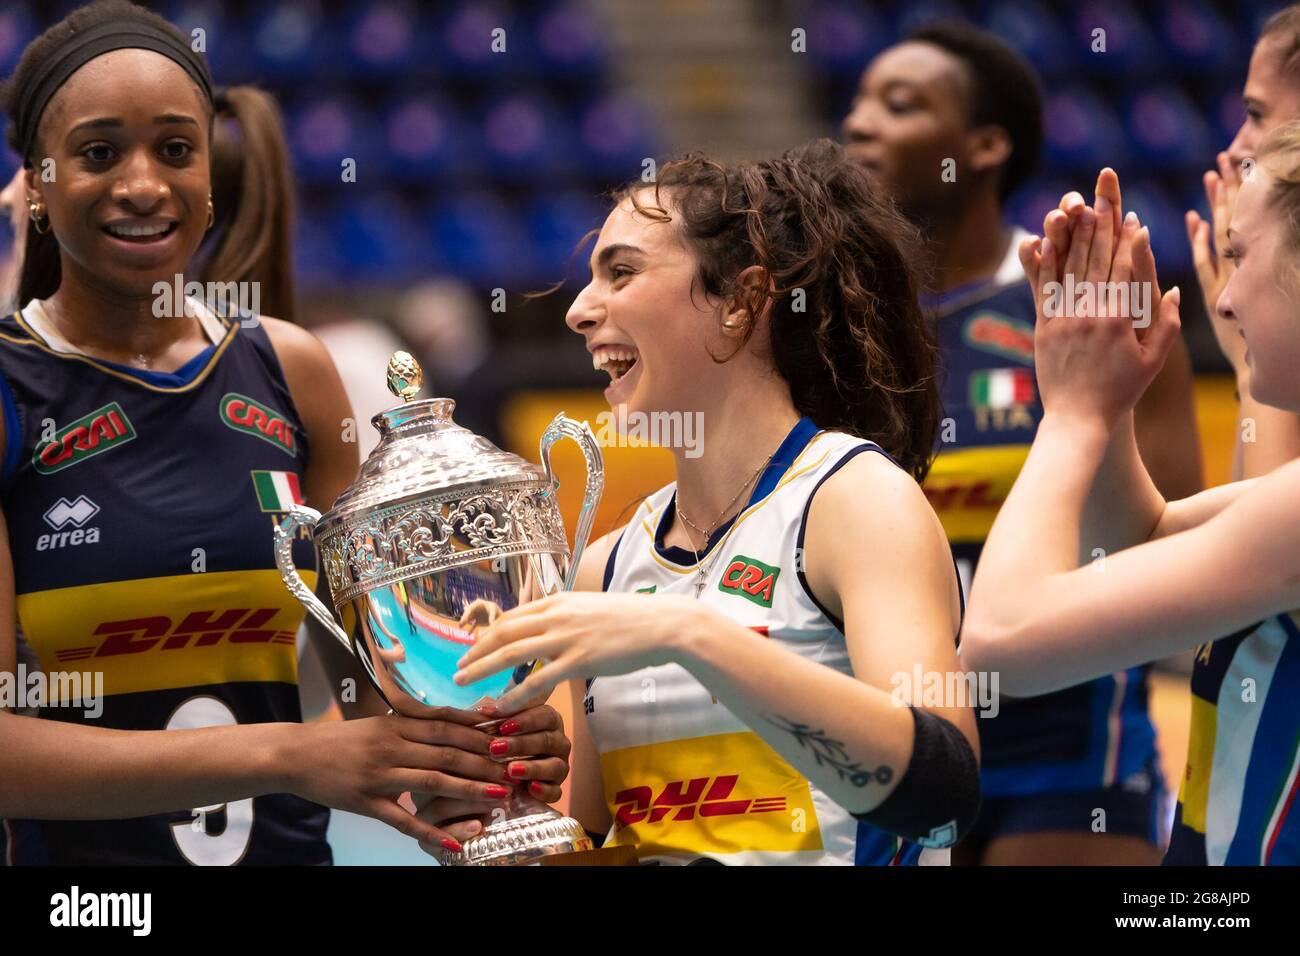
x,y
699,586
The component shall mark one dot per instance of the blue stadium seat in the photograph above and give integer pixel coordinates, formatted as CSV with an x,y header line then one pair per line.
x,y
524,135
379,240
223,36
1032,29
467,32
317,258
1226,114
1164,217
478,237
616,134
843,36
570,40
910,16
1082,132
17,27
381,38
1250,16
1126,45
428,135
1197,39
555,224
1039,196
325,130
1166,128
292,42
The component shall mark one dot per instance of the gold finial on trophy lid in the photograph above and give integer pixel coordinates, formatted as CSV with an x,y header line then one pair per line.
x,y
405,377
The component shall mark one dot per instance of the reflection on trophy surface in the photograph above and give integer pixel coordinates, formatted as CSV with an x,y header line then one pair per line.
x,y
441,533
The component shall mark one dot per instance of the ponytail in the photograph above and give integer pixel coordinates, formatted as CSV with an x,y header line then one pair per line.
x,y
252,199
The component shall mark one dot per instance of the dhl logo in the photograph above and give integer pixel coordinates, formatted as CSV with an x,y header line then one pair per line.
x,y
250,416
945,496
751,579
196,629
96,432
684,799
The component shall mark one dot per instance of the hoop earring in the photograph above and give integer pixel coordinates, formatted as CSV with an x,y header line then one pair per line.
x,y
212,214
36,212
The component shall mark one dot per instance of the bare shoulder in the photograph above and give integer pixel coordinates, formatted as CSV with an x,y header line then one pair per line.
x,y
870,492
309,371
298,350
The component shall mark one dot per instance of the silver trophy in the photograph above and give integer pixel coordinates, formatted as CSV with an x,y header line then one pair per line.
x,y
440,533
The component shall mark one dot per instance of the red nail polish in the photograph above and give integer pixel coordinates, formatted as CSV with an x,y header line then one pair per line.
x,y
518,770
508,728
496,791
499,747
535,788
452,845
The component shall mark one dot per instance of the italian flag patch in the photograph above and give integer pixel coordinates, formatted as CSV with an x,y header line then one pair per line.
x,y
1001,388
277,490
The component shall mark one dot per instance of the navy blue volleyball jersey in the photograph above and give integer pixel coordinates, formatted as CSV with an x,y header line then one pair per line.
x,y
140,508
1097,734
1237,802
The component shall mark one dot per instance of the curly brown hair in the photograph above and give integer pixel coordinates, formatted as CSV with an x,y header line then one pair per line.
x,y
856,350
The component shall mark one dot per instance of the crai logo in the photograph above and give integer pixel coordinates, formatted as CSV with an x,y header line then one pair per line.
x,y
251,417
751,579
1001,335
97,432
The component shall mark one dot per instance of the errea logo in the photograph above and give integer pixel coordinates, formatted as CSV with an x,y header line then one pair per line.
x,y
64,514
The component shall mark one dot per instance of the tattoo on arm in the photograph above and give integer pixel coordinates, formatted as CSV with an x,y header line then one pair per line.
x,y
829,752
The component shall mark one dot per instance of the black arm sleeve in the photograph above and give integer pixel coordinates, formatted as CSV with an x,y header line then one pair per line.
x,y
936,802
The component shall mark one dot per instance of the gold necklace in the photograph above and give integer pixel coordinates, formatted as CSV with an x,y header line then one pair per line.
x,y
702,572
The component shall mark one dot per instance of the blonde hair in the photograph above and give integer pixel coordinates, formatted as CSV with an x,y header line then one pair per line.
x,y
1279,154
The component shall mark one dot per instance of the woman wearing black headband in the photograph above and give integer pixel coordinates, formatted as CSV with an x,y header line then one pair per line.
x,y
136,497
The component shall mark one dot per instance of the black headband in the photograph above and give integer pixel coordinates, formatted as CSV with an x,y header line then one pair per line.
x,y
80,48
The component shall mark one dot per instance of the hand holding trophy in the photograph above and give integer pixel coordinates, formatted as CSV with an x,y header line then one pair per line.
x,y
440,533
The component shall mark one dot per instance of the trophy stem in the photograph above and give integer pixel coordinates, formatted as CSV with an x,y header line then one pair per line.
x,y
523,831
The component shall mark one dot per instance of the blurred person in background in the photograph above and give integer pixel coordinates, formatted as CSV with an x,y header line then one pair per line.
x,y
1218,572
13,212
446,325
1265,436
953,98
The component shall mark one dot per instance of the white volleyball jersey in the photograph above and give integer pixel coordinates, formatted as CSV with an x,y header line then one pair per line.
x,y
684,778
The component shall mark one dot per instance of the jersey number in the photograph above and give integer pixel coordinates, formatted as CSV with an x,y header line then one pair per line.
x,y
216,835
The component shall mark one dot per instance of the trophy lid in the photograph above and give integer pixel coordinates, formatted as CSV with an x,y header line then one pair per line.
x,y
423,454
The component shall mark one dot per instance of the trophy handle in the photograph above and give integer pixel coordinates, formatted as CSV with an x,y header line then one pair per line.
x,y
300,516
564,427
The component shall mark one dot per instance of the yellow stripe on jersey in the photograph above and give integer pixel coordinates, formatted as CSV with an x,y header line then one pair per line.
x,y
966,486
151,634
1194,791
719,794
